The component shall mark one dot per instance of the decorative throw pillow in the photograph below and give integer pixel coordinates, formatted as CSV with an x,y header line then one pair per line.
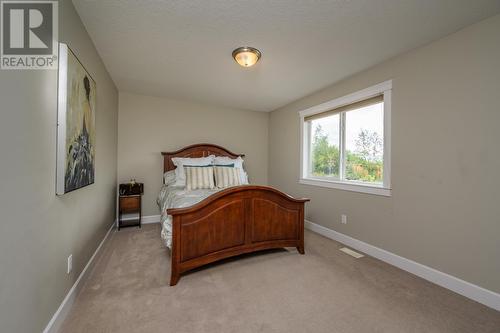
x,y
199,177
226,176
236,162
181,162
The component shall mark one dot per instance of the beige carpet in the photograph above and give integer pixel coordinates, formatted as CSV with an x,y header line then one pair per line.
x,y
276,291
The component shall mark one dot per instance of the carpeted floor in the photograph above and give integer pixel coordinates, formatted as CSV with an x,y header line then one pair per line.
x,y
275,291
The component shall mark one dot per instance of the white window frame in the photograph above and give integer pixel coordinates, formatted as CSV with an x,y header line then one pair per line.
x,y
385,89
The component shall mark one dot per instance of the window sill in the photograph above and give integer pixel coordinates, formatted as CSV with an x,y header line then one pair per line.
x,y
353,187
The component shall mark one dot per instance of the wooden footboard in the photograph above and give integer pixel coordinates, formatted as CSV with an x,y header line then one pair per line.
x,y
234,221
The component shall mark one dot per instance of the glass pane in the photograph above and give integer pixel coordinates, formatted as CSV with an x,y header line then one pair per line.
x,y
325,153
365,143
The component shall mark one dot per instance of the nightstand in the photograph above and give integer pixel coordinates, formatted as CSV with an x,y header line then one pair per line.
x,y
129,202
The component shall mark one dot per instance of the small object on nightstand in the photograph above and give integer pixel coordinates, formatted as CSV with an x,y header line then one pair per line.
x,y
129,202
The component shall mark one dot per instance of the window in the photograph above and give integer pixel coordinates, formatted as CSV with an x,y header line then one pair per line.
x,y
346,142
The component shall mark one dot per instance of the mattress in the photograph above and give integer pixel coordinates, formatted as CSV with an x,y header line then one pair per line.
x,y
177,197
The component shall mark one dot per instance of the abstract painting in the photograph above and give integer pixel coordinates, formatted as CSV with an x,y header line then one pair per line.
x,y
75,124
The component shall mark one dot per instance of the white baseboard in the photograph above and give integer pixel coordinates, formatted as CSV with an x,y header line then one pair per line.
x,y
145,219
58,318
151,219
464,288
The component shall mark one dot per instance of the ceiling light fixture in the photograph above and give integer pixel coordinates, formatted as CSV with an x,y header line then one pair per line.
x,y
246,56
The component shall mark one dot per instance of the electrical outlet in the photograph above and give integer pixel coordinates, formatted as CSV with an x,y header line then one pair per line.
x,y
70,263
344,219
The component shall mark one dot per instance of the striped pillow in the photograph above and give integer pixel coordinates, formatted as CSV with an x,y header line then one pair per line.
x,y
199,177
226,176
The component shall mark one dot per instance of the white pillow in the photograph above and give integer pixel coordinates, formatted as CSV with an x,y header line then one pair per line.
x,y
169,177
238,163
180,162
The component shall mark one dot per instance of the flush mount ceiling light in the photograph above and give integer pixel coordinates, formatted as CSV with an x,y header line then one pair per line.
x,y
246,56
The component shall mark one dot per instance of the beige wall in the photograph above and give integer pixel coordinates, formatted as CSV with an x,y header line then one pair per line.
x,y
149,125
39,230
444,211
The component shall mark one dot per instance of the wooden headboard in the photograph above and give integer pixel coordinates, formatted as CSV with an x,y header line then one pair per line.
x,y
197,150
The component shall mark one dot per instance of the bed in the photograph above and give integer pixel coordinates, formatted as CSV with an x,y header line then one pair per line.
x,y
209,225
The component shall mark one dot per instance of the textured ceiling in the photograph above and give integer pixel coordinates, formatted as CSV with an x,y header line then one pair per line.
x,y
182,49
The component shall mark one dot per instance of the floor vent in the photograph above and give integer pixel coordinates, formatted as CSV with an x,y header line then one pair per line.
x,y
352,253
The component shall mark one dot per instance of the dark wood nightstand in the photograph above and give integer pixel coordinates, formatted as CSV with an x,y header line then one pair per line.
x,y
129,202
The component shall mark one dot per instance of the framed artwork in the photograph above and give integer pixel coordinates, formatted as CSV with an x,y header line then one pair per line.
x,y
76,139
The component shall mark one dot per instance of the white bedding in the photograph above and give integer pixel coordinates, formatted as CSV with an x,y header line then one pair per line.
x,y
177,197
